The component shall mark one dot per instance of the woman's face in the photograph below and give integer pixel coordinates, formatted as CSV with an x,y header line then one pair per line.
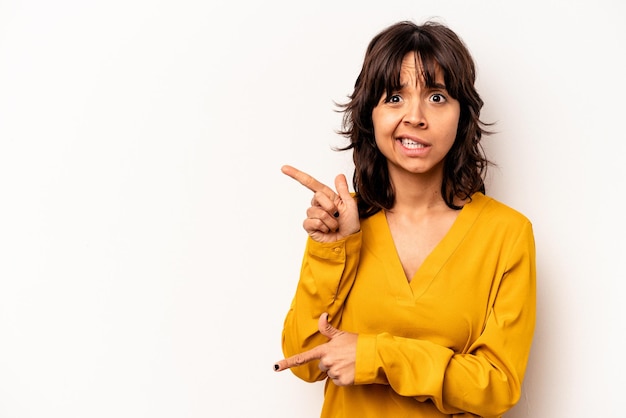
x,y
415,127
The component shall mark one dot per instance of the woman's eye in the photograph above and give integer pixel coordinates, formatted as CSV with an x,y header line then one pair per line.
x,y
395,98
438,98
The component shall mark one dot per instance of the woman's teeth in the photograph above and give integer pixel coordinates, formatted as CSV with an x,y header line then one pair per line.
x,y
411,144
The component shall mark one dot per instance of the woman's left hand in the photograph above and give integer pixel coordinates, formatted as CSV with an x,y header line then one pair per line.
x,y
337,357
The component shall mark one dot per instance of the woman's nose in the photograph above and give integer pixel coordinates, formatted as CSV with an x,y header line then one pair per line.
x,y
415,115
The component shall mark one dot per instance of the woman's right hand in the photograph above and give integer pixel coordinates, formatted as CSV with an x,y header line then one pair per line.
x,y
332,215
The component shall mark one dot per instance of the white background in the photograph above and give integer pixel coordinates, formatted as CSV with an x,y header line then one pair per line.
x,y
150,246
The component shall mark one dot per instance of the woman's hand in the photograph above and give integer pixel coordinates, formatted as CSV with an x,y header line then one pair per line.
x,y
337,357
332,215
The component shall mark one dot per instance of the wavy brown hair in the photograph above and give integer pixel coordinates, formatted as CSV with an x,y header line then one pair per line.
x,y
436,46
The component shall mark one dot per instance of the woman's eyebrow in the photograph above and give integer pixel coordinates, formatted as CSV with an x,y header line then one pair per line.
x,y
440,86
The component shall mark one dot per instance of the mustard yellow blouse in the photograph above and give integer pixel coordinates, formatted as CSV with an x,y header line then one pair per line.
x,y
453,341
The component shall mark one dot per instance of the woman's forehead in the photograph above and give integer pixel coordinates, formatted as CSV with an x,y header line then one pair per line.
x,y
415,68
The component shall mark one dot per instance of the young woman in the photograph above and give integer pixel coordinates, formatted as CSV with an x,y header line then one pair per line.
x,y
416,295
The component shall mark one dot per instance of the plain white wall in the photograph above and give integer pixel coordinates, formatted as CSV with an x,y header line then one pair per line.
x,y
150,246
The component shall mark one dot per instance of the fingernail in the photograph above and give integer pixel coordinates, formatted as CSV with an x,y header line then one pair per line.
x,y
336,214
276,367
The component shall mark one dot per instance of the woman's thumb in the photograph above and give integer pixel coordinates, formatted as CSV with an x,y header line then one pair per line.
x,y
325,328
341,185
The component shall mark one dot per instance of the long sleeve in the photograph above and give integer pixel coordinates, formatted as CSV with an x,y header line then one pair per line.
x,y
327,274
454,340
485,379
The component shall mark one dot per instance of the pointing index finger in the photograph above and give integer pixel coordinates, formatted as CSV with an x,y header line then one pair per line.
x,y
298,359
307,181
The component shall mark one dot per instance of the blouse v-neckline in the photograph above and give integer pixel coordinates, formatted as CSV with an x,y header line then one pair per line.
x,y
384,246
